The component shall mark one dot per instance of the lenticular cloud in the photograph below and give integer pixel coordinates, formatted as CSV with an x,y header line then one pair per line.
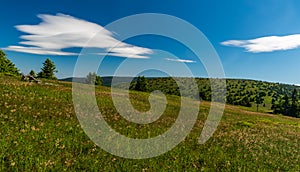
x,y
267,44
58,32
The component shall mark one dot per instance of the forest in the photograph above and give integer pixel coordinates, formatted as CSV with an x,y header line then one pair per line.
x,y
277,97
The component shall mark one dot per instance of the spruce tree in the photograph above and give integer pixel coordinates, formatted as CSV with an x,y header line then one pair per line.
x,y
294,107
48,70
286,108
93,78
32,73
141,84
6,66
259,98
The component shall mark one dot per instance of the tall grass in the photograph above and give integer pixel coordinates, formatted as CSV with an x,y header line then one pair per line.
x,y
39,131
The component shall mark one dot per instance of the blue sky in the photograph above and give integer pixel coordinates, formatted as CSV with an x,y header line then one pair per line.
x,y
254,39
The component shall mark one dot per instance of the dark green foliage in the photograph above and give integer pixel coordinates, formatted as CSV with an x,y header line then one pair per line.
x,y
32,73
246,93
6,66
245,101
259,98
165,85
141,84
48,70
93,78
294,105
98,80
287,105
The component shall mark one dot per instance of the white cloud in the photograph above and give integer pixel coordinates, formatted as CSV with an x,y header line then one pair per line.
x,y
37,50
267,44
180,60
124,55
57,32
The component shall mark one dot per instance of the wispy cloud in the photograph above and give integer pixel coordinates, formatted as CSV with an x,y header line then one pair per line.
x,y
38,50
267,44
58,32
180,60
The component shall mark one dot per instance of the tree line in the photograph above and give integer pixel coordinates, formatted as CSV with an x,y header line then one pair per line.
x,y
248,93
7,67
48,71
284,97
287,105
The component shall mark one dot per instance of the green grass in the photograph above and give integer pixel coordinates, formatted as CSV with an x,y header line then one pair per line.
x,y
40,132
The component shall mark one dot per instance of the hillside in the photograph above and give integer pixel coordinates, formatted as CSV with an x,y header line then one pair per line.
x,y
241,92
40,131
107,80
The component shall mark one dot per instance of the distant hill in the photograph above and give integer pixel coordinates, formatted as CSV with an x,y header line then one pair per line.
x,y
73,79
106,80
254,95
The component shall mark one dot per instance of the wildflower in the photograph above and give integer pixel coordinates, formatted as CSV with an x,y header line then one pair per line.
x,y
12,163
33,128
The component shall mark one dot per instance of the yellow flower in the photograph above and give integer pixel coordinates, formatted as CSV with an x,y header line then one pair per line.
x,y
12,164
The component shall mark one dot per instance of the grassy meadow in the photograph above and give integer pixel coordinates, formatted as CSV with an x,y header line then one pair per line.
x,y
39,131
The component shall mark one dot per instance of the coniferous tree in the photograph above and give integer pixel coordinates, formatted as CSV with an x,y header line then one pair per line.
x,y
294,106
48,70
141,84
99,80
245,102
93,78
6,66
285,107
32,73
259,98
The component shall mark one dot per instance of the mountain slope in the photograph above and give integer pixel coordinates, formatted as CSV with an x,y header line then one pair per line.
x,y
39,131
